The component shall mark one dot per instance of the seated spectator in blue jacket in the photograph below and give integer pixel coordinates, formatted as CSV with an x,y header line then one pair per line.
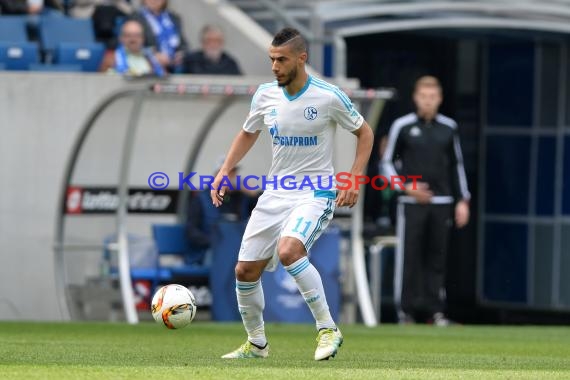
x,y
131,58
163,32
211,59
202,217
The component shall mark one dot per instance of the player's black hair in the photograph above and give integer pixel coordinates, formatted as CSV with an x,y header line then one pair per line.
x,y
290,36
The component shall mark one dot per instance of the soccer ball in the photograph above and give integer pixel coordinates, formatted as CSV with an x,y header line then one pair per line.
x,y
174,306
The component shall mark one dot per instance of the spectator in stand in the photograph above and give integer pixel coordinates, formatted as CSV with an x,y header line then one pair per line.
x,y
163,32
131,57
211,59
30,7
86,8
107,15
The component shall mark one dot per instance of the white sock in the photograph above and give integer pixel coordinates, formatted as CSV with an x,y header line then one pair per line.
x,y
251,303
310,285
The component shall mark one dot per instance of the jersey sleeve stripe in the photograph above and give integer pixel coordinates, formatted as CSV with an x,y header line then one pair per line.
x,y
387,160
446,121
458,156
260,88
337,90
461,170
347,105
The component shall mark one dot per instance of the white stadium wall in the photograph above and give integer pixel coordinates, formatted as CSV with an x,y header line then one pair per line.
x,y
41,115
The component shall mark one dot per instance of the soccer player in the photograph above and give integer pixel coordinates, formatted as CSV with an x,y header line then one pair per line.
x,y
300,112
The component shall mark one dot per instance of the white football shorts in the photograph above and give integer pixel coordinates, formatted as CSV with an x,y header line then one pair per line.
x,y
303,217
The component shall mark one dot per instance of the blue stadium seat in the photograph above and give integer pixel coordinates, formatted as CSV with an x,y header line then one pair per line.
x,y
171,239
56,68
88,56
13,29
18,56
56,30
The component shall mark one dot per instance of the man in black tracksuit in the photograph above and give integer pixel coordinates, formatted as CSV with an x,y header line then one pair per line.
x,y
425,143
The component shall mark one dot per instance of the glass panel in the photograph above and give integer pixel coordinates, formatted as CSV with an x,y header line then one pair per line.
x,y
565,266
542,271
566,178
545,176
567,108
510,82
505,271
549,83
507,171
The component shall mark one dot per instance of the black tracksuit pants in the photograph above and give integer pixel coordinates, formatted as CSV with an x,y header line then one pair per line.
x,y
419,278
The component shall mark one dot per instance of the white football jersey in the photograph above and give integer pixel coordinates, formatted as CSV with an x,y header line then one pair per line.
x,y
302,129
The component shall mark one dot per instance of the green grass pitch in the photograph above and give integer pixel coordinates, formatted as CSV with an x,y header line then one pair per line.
x,y
149,351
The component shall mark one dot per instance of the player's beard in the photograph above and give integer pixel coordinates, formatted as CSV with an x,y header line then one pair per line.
x,y
290,78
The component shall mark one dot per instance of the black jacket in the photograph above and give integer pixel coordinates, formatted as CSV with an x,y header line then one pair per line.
x,y
430,149
20,7
197,63
14,7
